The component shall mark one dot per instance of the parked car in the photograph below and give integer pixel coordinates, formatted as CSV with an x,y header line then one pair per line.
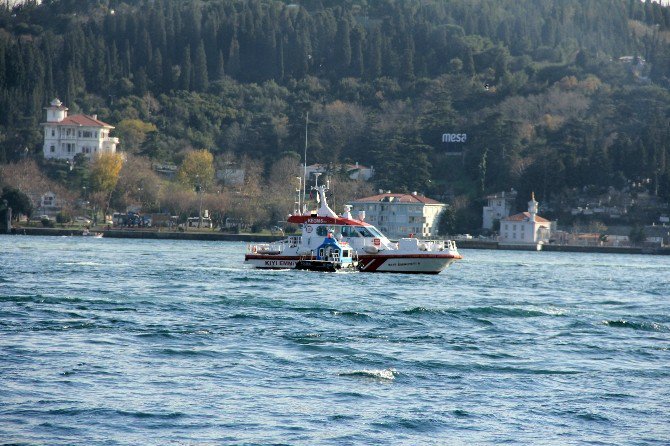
x,y
82,220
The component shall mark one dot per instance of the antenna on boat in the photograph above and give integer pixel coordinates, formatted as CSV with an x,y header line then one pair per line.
x,y
298,191
304,175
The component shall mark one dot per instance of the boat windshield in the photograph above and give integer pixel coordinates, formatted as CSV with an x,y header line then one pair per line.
x,y
360,231
375,232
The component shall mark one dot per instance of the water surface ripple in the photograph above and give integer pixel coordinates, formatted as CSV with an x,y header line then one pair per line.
x,y
125,342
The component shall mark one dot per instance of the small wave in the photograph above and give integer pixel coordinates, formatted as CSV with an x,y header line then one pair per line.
x,y
186,352
412,424
244,316
588,416
418,310
158,334
385,374
506,312
163,416
643,326
339,417
350,314
475,312
82,263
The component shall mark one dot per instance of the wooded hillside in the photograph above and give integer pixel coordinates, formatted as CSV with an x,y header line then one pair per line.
x,y
552,95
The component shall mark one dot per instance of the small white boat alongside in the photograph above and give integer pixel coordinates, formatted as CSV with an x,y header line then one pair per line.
x,y
374,251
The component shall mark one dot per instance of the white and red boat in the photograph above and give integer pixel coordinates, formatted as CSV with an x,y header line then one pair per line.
x,y
375,252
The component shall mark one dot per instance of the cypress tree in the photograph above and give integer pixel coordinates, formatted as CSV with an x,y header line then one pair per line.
x,y
357,66
343,47
234,57
200,79
186,68
374,60
219,71
157,71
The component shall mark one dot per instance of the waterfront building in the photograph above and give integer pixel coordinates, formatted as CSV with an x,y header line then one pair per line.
x,y
526,228
66,136
399,215
498,206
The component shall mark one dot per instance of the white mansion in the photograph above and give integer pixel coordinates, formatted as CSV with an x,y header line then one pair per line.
x,y
66,136
399,215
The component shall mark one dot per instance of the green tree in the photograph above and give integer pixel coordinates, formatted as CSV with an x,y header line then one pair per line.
x,y
197,170
446,224
17,200
133,133
105,169
200,80
637,235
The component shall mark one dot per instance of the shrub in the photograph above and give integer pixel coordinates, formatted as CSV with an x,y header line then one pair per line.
x,y
63,217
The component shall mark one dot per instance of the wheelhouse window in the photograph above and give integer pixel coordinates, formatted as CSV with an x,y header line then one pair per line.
x,y
363,231
321,231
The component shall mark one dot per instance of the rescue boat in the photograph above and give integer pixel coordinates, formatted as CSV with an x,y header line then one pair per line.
x,y
375,252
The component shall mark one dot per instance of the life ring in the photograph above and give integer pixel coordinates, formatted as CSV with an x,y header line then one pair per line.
x,y
309,229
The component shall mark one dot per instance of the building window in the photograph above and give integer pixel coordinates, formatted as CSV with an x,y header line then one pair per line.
x,y
79,134
52,148
96,134
506,226
53,132
88,134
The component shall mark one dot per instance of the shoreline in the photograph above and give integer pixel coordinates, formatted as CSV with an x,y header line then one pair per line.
x,y
481,244
220,236
149,234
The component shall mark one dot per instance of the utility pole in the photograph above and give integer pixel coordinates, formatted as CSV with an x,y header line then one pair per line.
x,y
198,189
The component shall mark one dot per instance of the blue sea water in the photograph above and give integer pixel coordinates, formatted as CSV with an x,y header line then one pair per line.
x,y
128,342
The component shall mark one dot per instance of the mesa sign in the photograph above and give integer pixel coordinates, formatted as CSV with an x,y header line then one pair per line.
x,y
454,137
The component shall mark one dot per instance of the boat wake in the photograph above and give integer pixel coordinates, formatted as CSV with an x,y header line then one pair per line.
x,y
385,374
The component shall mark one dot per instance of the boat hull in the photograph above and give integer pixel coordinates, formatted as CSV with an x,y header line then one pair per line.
x,y
406,263
378,263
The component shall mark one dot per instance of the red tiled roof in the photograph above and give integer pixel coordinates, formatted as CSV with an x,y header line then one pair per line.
x,y
525,216
83,120
397,198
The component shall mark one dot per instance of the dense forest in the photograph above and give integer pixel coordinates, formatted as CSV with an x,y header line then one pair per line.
x,y
552,95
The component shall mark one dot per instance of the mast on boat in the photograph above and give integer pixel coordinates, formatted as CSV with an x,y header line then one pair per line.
x,y
304,173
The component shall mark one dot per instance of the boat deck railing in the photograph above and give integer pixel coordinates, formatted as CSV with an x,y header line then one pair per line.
x,y
275,247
